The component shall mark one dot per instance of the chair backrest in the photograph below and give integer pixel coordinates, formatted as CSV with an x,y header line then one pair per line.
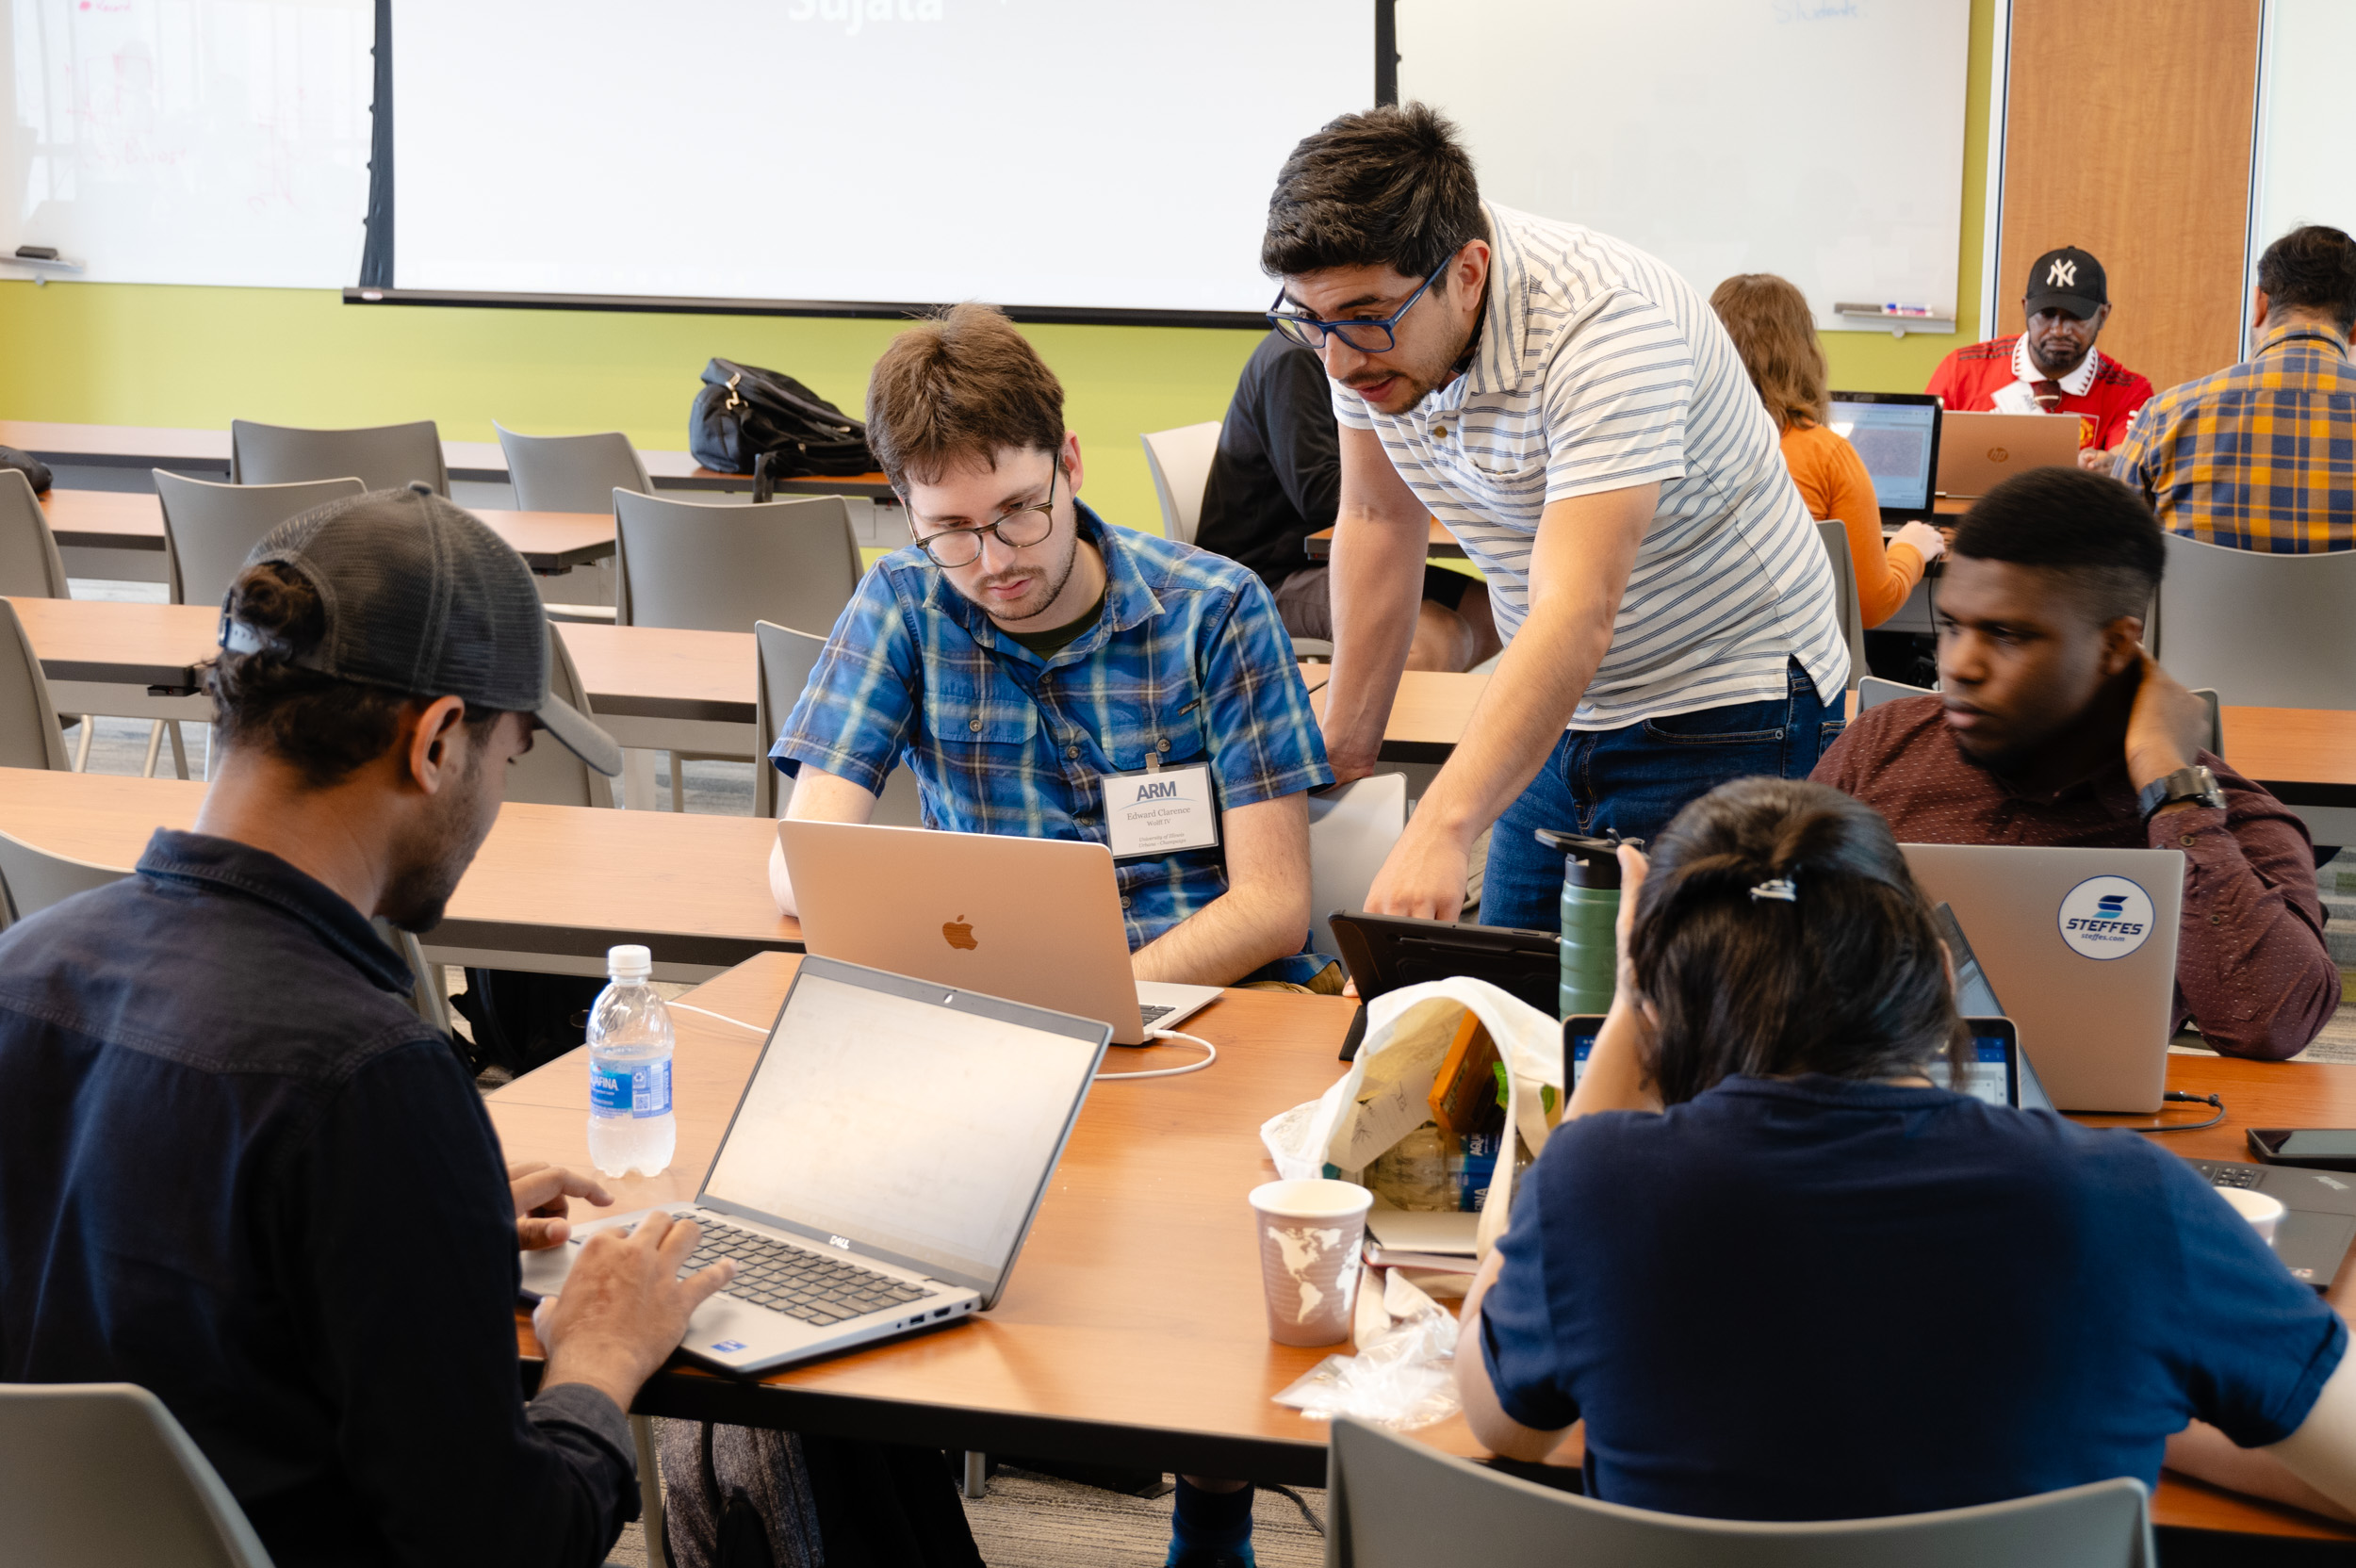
x,y
1181,463
572,473
2266,631
32,880
1352,830
29,737
782,660
1846,603
548,774
30,566
1873,690
385,456
704,567
211,528
101,1475
1391,1500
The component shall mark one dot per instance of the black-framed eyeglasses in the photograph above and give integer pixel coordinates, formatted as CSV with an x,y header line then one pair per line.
x,y
1367,338
1018,529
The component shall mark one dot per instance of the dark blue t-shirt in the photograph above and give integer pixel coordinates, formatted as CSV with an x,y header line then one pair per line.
x,y
1822,1299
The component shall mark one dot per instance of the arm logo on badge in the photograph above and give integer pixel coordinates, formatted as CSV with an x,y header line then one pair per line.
x,y
2105,917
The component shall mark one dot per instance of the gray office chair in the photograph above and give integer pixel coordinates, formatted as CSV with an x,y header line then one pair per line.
x,y
101,1475
1846,601
1352,828
571,473
548,774
1873,690
385,456
30,566
1179,462
718,567
782,660
1392,1502
2270,629
32,880
210,529
30,736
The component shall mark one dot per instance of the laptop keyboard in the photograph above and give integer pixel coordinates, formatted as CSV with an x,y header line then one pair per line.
x,y
1150,1015
796,1281
2222,1175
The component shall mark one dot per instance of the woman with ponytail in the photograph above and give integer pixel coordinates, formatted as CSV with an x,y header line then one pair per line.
x,y
1783,1271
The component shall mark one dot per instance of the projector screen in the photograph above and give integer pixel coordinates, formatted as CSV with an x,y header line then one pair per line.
x,y
1099,159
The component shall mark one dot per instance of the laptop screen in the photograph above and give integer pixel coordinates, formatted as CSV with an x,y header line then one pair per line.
x,y
918,1129
1895,441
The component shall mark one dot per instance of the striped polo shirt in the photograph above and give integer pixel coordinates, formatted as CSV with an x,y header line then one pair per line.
x,y
1599,369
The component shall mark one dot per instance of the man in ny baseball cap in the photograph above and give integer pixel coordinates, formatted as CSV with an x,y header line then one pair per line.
x,y
2052,366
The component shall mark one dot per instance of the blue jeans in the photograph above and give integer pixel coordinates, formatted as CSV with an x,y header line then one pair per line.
x,y
1633,779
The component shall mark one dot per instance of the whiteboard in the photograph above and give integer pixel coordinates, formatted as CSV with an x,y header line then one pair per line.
x,y
190,141
1820,140
1085,154
2303,172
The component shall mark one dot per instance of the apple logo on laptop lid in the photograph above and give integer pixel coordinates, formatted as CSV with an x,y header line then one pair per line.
x,y
959,934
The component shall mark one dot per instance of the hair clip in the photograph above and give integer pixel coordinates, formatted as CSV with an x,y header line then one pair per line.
x,y
1781,887
244,637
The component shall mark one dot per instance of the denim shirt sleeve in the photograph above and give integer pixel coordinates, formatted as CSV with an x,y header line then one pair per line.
x,y
1264,737
859,709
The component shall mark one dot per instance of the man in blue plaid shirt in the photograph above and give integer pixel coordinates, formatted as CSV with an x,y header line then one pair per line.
x,y
1022,650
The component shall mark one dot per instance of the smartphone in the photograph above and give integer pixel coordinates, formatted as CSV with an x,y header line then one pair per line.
x,y
2318,1147
1579,1037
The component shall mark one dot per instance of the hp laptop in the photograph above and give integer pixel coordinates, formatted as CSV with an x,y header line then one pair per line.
x,y
1979,452
882,1169
1038,919
2082,944
1897,433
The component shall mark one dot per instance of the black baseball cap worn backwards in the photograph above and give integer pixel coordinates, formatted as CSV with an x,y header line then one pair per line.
x,y
420,596
2068,279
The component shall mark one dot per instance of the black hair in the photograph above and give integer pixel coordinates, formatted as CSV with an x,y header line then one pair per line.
x,y
1846,978
2312,268
1391,186
325,728
2088,528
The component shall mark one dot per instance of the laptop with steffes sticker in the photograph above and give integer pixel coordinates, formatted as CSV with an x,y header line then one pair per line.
x,y
882,1169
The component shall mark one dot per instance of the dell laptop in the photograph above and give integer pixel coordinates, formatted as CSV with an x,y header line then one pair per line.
x,y
1036,920
1979,452
1897,433
881,1170
2081,944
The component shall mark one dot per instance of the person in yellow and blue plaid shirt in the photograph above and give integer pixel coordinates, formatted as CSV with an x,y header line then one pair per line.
x,y
2262,456
1022,651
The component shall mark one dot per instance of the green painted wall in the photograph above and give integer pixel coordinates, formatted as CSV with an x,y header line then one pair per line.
x,y
141,354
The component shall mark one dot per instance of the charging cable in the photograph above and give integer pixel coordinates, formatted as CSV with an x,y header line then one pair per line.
x,y
691,1007
2179,1097
1210,1054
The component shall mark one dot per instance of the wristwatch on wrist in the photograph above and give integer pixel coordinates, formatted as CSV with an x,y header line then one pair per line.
x,y
2193,783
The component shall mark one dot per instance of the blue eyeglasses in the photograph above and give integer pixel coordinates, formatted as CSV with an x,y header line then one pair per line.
x,y
1367,338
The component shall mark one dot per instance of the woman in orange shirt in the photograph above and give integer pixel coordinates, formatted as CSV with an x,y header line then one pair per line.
x,y
1769,320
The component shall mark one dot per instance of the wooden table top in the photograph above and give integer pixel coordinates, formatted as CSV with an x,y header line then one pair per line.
x,y
1427,714
651,672
2305,755
1131,1330
873,485
130,520
566,881
1444,545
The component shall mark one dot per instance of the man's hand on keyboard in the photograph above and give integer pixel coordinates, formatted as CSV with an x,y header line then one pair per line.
x,y
623,1307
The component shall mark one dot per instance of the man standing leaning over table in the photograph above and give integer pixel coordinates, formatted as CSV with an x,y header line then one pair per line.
x,y
1576,415
1022,651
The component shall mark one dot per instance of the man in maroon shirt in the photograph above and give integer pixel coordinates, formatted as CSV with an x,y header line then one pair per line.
x,y
2052,726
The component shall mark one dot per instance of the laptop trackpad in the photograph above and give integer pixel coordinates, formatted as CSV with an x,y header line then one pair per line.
x,y
2313,1244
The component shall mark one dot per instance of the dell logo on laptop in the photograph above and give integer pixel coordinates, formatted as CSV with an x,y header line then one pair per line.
x,y
843,1242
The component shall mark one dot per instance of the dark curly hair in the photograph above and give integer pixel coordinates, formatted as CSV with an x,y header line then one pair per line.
x,y
1847,978
327,729
1392,187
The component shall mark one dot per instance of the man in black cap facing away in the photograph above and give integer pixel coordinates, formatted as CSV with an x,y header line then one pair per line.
x,y
236,1169
2054,367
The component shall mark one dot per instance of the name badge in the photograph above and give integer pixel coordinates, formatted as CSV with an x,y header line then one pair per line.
x,y
1160,811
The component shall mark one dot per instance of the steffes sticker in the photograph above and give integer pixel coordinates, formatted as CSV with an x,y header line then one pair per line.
x,y
2105,917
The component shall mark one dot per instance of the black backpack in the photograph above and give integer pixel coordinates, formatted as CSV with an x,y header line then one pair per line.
x,y
30,466
743,411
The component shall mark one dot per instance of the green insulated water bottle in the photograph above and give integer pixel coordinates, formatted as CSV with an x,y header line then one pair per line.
x,y
1590,907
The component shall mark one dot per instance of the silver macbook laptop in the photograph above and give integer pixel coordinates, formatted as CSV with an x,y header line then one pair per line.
x,y
1979,452
2082,945
1038,919
882,1169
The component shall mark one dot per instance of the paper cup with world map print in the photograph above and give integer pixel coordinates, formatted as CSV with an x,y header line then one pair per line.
x,y
1311,1233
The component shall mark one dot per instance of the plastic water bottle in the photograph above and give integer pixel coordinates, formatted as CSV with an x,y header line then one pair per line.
x,y
631,1126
